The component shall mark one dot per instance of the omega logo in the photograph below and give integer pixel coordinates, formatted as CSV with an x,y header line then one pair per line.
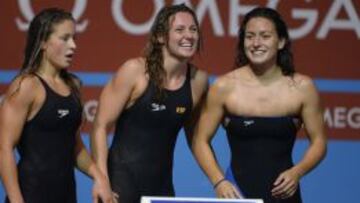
x,y
28,13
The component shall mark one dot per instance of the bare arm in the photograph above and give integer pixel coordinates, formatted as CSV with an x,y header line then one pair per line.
x,y
85,164
114,98
311,112
210,119
312,115
199,89
14,111
84,161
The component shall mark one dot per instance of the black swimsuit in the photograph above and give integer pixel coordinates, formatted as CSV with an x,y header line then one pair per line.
x,y
47,148
261,148
141,155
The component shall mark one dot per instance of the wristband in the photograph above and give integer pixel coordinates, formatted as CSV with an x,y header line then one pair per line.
x,y
218,183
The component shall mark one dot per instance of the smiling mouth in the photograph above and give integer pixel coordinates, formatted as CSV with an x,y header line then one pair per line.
x,y
187,45
258,52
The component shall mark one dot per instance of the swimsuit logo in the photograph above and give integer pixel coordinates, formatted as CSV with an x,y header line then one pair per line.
x,y
63,112
249,122
180,109
157,107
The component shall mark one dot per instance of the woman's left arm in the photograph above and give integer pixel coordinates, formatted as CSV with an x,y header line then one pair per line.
x,y
199,88
312,116
101,189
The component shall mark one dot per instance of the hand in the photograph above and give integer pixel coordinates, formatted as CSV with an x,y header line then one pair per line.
x,y
227,190
286,184
115,197
102,191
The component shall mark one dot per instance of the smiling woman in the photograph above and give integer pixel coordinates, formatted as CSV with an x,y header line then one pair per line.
x,y
151,99
261,104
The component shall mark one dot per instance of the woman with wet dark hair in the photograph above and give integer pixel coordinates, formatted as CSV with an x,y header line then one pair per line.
x,y
151,99
261,104
41,115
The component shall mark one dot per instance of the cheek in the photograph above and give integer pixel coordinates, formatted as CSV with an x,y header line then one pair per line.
x,y
59,48
55,52
247,43
246,47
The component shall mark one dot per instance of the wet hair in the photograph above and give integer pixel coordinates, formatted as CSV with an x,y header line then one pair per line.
x,y
40,29
153,50
284,56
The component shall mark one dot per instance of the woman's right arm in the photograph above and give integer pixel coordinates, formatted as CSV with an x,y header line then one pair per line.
x,y
14,111
115,96
210,119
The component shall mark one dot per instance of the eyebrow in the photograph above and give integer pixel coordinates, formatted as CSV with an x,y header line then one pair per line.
x,y
261,32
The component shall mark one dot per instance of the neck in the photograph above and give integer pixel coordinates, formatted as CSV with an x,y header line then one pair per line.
x,y
174,67
48,70
266,74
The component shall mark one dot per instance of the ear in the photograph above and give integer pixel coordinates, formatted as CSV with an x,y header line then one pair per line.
x,y
281,44
161,39
43,45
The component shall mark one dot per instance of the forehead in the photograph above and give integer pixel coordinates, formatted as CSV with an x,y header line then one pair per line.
x,y
260,24
182,18
64,26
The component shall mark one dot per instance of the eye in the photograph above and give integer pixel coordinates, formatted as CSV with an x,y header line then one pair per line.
x,y
179,29
194,29
67,37
266,35
249,36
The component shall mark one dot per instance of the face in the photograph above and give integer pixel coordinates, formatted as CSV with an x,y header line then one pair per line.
x,y
261,42
183,36
60,47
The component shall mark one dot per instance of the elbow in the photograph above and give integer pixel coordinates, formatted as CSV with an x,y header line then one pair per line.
x,y
321,146
194,145
197,146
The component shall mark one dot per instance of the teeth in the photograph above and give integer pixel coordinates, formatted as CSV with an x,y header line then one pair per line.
x,y
186,45
258,52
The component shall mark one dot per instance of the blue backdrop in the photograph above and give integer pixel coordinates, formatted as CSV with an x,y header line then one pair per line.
x,y
336,180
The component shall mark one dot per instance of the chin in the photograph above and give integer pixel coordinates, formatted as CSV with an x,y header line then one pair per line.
x,y
184,56
258,60
64,66
188,55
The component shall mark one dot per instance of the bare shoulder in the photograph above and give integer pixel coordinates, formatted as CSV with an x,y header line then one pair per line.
x,y
228,80
303,82
222,85
131,69
24,85
25,88
133,65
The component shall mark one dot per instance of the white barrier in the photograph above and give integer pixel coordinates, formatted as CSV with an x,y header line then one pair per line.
x,y
148,199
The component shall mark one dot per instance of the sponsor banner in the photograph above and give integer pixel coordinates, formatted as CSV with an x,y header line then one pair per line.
x,y
342,115
109,32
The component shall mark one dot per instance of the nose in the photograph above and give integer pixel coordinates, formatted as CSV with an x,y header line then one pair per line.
x,y
190,34
72,43
256,41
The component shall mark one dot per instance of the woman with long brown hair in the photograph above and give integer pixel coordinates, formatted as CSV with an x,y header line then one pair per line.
x,y
149,100
41,115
